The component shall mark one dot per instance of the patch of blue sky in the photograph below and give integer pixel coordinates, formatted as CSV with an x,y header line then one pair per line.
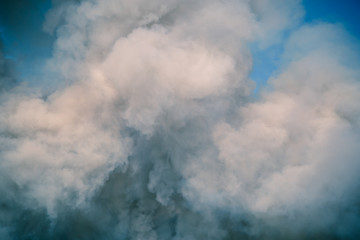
x,y
267,61
24,40
346,12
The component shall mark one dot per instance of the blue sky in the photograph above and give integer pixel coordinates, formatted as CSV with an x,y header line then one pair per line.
x,y
22,36
345,12
334,11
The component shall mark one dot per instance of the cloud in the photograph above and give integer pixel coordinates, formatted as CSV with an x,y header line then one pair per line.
x,y
293,153
152,132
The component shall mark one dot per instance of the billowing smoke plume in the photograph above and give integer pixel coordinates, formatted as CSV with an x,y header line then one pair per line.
x,y
153,131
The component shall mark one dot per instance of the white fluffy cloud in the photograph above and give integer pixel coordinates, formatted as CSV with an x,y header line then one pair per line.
x,y
154,133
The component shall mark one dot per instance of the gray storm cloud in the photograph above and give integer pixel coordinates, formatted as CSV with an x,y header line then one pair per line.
x,y
152,132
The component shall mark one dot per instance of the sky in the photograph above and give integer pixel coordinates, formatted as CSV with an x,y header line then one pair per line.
x,y
179,119
333,11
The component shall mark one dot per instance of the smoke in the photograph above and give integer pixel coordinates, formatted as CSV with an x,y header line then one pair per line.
x,y
153,131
